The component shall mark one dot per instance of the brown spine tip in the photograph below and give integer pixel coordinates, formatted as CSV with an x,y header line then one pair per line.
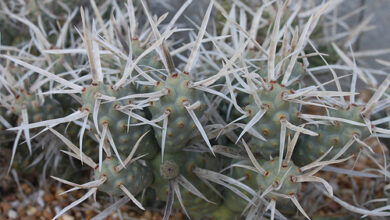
x,y
186,73
191,168
174,75
265,106
180,124
357,133
282,117
293,179
184,101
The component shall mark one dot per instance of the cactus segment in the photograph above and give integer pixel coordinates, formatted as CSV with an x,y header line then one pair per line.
x,y
180,124
277,109
134,177
283,181
117,122
36,110
336,134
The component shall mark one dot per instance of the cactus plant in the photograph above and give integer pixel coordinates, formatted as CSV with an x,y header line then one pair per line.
x,y
217,132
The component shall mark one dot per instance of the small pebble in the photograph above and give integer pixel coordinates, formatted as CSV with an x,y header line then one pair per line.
x,y
31,211
47,213
78,215
156,216
48,197
148,214
12,214
26,188
67,217
21,210
179,216
89,214
5,206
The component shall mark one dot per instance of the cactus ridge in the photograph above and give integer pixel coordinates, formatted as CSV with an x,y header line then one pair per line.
x,y
286,178
180,124
117,122
113,88
270,124
36,110
248,177
336,134
134,177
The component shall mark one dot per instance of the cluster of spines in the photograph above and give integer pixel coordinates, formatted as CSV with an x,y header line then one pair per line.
x,y
176,112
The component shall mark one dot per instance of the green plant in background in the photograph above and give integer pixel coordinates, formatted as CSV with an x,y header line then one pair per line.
x,y
223,133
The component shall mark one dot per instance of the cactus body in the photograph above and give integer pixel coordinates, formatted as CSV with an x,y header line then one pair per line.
x,y
36,110
180,124
337,135
274,178
134,177
117,121
270,124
